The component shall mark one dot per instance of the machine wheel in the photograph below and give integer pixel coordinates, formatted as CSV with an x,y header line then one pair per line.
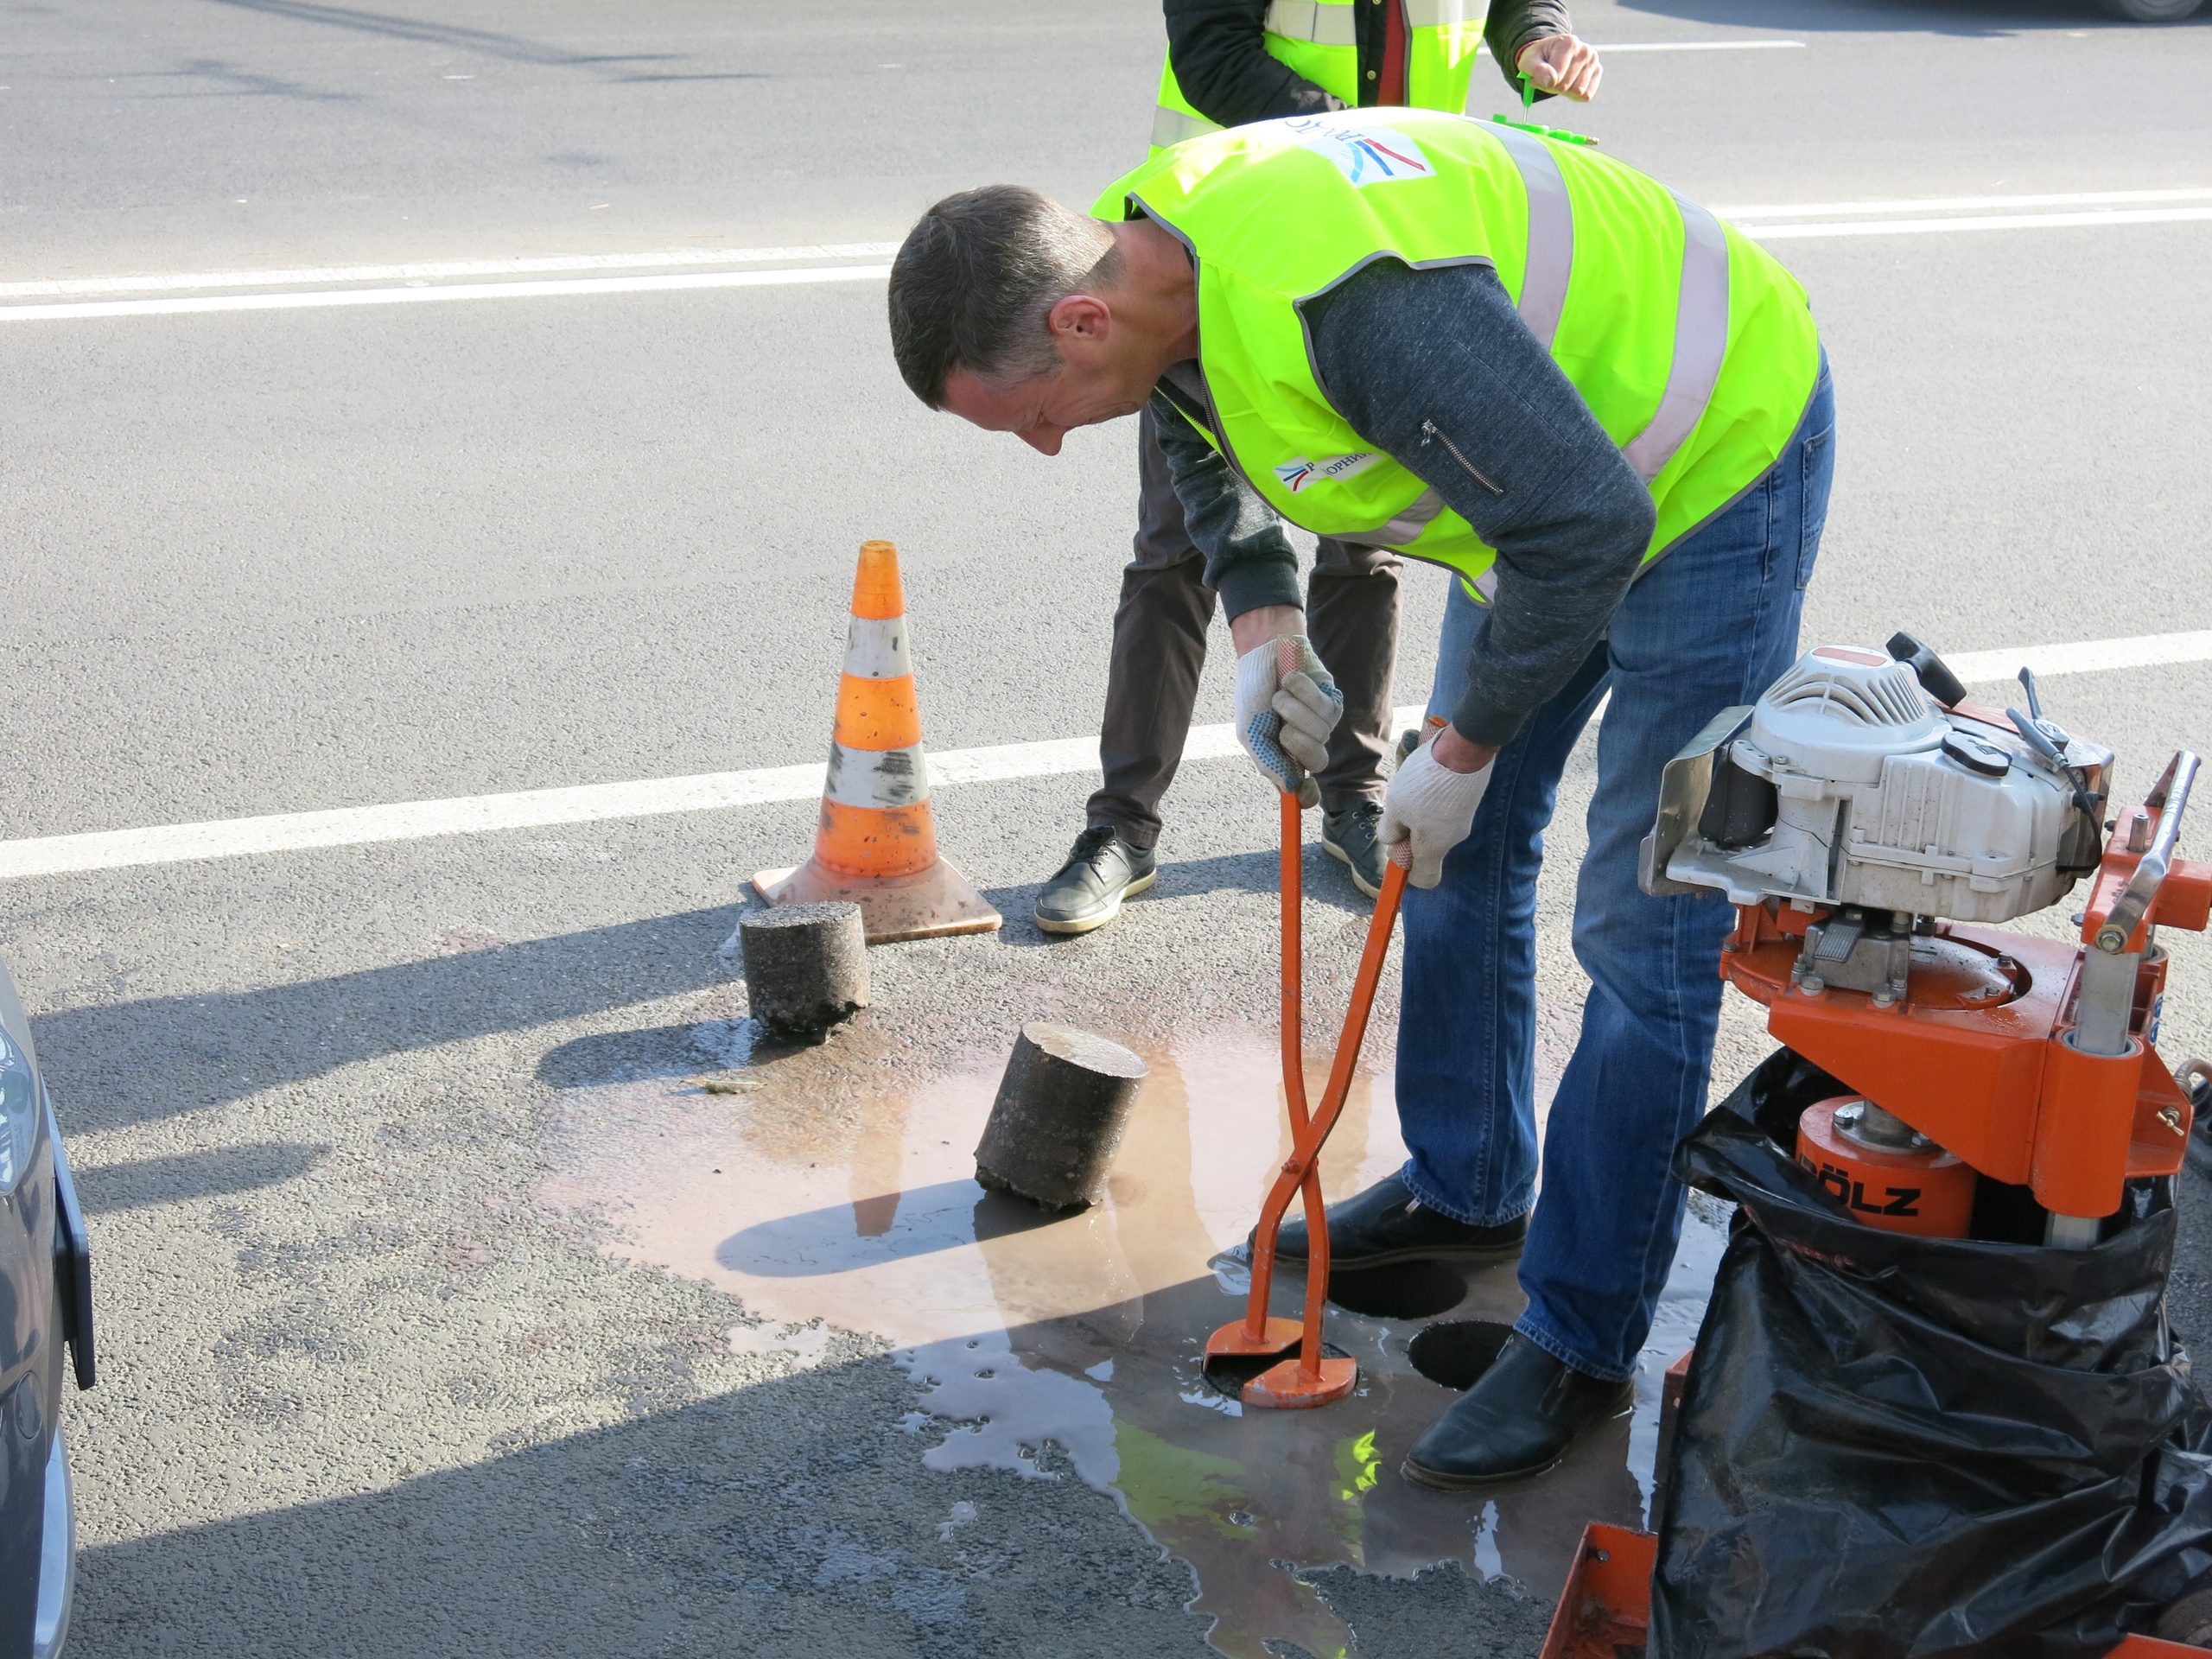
x,y
2149,11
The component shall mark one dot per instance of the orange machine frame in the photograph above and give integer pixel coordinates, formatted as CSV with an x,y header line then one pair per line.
x,y
2000,1086
1605,1611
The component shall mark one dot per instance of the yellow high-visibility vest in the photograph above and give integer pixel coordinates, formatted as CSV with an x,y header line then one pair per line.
x,y
1693,346
1319,39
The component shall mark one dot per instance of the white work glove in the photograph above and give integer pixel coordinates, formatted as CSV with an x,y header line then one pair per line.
x,y
1286,706
1428,810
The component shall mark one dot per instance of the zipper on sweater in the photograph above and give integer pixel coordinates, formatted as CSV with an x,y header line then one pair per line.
x,y
1428,430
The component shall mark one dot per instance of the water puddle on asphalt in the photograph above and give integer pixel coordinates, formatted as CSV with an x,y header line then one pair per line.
x,y
815,1186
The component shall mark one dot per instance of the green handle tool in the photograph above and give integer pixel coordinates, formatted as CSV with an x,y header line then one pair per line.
x,y
1527,97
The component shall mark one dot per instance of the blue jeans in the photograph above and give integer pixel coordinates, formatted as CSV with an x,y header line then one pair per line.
x,y
1712,624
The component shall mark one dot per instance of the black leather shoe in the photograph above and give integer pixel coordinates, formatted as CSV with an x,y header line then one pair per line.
x,y
1387,1223
1102,870
1517,1420
1349,835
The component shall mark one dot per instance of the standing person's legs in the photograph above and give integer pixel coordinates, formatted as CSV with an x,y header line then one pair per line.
x,y
1467,1016
1159,649
1351,616
1351,610
1152,685
1466,1039
1713,623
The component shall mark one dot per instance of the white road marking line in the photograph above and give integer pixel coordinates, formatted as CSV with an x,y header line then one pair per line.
x,y
424,275
343,296
2084,657
327,298
433,270
1483,50
1960,204
357,826
1992,222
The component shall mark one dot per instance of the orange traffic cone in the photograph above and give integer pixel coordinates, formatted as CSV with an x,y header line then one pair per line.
x,y
876,843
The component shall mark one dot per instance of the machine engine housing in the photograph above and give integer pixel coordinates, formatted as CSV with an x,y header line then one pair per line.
x,y
1847,785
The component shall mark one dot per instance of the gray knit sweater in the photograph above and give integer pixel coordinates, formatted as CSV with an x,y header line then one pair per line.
x,y
1435,369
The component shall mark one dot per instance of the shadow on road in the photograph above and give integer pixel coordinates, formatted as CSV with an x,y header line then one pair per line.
x,y
218,1170
1327,883
791,1518
487,44
155,1057
491,43
144,1060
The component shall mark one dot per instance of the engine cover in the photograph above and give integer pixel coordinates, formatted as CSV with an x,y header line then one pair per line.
x,y
1847,785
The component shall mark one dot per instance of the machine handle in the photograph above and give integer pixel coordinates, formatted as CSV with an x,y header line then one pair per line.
x,y
1935,677
2171,798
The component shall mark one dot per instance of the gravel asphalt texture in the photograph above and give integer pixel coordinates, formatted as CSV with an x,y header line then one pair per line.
x,y
360,1395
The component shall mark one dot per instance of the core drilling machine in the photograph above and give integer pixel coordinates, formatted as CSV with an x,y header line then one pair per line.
x,y
1869,823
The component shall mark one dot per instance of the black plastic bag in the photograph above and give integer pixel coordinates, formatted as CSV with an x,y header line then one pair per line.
x,y
1891,1445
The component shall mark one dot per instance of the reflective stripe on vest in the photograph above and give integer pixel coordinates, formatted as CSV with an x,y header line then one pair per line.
x,y
1700,312
1325,23
876,777
1405,526
1700,343
1171,127
1551,234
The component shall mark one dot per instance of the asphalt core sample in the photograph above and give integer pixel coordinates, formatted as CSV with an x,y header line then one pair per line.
x,y
805,965
1062,1108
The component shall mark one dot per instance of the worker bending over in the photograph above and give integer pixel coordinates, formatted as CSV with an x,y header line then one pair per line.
x,y
1228,64
1606,411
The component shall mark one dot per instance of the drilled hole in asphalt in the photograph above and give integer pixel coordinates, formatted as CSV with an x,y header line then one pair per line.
x,y
1457,1351
1405,1290
1227,1374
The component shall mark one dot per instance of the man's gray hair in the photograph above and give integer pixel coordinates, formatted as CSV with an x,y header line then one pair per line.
x,y
975,277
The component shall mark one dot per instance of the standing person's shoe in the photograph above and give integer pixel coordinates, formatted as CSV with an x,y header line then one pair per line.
x,y
1387,1223
1350,835
1518,1420
1102,870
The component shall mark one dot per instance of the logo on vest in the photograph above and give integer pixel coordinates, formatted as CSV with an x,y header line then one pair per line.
x,y
1298,474
1374,156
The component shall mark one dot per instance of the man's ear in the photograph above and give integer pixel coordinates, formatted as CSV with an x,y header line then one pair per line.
x,y
1079,318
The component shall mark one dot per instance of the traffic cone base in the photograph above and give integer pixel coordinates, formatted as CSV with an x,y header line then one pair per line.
x,y
927,905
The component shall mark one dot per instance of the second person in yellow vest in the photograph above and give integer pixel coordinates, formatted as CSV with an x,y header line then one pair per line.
x,y
1239,62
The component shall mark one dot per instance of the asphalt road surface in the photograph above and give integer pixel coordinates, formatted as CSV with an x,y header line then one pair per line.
x,y
394,1360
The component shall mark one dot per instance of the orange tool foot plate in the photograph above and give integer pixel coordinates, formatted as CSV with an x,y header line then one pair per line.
x,y
1289,1387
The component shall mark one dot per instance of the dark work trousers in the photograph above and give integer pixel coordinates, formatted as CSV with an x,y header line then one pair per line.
x,y
1160,646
